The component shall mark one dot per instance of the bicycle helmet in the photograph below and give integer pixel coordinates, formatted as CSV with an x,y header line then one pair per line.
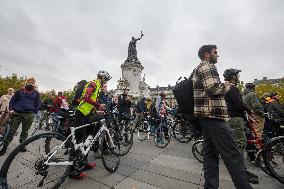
x,y
104,75
250,86
229,73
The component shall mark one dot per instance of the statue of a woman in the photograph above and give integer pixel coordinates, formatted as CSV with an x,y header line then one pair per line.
x,y
132,52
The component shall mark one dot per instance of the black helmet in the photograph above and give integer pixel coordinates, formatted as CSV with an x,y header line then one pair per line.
x,y
104,75
250,86
229,73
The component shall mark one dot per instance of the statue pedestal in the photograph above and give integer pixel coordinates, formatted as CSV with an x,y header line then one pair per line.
x,y
131,78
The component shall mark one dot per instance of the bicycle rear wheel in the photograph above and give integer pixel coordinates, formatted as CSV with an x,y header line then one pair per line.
x,y
197,150
5,129
28,170
143,130
109,153
274,158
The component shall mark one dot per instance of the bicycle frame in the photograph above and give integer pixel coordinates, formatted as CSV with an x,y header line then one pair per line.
x,y
80,146
256,140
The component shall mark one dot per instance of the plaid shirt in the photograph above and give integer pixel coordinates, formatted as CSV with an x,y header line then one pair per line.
x,y
209,101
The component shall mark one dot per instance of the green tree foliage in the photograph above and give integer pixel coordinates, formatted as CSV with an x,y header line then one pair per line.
x,y
269,88
12,81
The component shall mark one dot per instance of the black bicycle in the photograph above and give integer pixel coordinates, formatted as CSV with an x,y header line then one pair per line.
x,y
273,156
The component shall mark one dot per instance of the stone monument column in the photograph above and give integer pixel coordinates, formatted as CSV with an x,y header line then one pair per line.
x,y
132,71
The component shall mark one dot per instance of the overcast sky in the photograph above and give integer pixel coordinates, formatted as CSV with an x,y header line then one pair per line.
x,y
62,41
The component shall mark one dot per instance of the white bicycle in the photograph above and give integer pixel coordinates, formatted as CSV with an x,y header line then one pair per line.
x,y
51,157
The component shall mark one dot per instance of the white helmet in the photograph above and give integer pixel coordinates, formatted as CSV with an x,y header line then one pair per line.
x,y
104,75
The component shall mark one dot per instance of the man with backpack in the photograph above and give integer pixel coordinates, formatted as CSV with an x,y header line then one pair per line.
x,y
236,110
211,109
85,113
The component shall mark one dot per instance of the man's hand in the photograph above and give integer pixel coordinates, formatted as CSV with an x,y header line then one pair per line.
x,y
11,111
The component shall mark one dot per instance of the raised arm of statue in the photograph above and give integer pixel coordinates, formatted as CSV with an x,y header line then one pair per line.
x,y
140,36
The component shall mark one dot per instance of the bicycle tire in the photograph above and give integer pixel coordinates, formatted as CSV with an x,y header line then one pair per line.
x,y
110,164
161,140
260,163
142,131
3,137
197,151
177,129
268,156
126,140
35,141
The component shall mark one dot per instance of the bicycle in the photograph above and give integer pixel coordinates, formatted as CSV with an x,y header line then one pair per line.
x,y
162,134
57,156
182,130
121,124
45,122
273,156
146,128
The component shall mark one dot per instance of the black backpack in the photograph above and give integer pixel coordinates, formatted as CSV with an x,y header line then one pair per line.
x,y
78,91
183,93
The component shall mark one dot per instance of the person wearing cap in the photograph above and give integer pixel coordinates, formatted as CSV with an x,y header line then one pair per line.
x,y
23,106
4,106
236,111
252,102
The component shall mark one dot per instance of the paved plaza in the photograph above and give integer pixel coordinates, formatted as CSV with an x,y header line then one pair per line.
x,y
149,167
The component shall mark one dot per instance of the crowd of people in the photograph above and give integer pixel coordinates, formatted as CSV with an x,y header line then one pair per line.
x,y
220,108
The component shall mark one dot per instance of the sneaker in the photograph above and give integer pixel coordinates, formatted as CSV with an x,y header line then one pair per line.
x,y
90,166
3,150
79,176
252,179
251,174
23,149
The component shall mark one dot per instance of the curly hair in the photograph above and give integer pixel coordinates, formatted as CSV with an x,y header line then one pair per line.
x,y
205,49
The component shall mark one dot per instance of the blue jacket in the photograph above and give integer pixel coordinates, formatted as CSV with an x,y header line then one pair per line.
x,y
24,101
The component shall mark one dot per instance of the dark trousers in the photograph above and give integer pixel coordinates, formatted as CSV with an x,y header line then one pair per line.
x,y
16,119
218,139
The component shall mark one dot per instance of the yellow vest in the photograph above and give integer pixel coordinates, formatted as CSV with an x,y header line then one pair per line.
x,y
86,107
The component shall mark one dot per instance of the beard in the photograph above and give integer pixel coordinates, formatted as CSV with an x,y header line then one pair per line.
x,y
213,60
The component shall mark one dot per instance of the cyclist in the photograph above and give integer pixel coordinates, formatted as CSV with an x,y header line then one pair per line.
x,y
251,101
85,112
236,111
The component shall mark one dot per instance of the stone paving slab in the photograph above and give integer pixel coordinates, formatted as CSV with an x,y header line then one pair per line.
x,y
149,167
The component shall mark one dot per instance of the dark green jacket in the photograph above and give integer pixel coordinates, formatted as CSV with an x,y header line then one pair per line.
x,y
251,101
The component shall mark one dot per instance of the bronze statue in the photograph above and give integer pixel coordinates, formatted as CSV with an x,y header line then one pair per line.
x,y
132,52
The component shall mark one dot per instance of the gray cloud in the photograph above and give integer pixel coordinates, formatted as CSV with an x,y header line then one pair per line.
x,y
62,42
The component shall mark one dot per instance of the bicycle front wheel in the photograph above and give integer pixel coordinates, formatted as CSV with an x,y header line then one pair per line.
x,y
143,130
273,156
29,169
109,152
